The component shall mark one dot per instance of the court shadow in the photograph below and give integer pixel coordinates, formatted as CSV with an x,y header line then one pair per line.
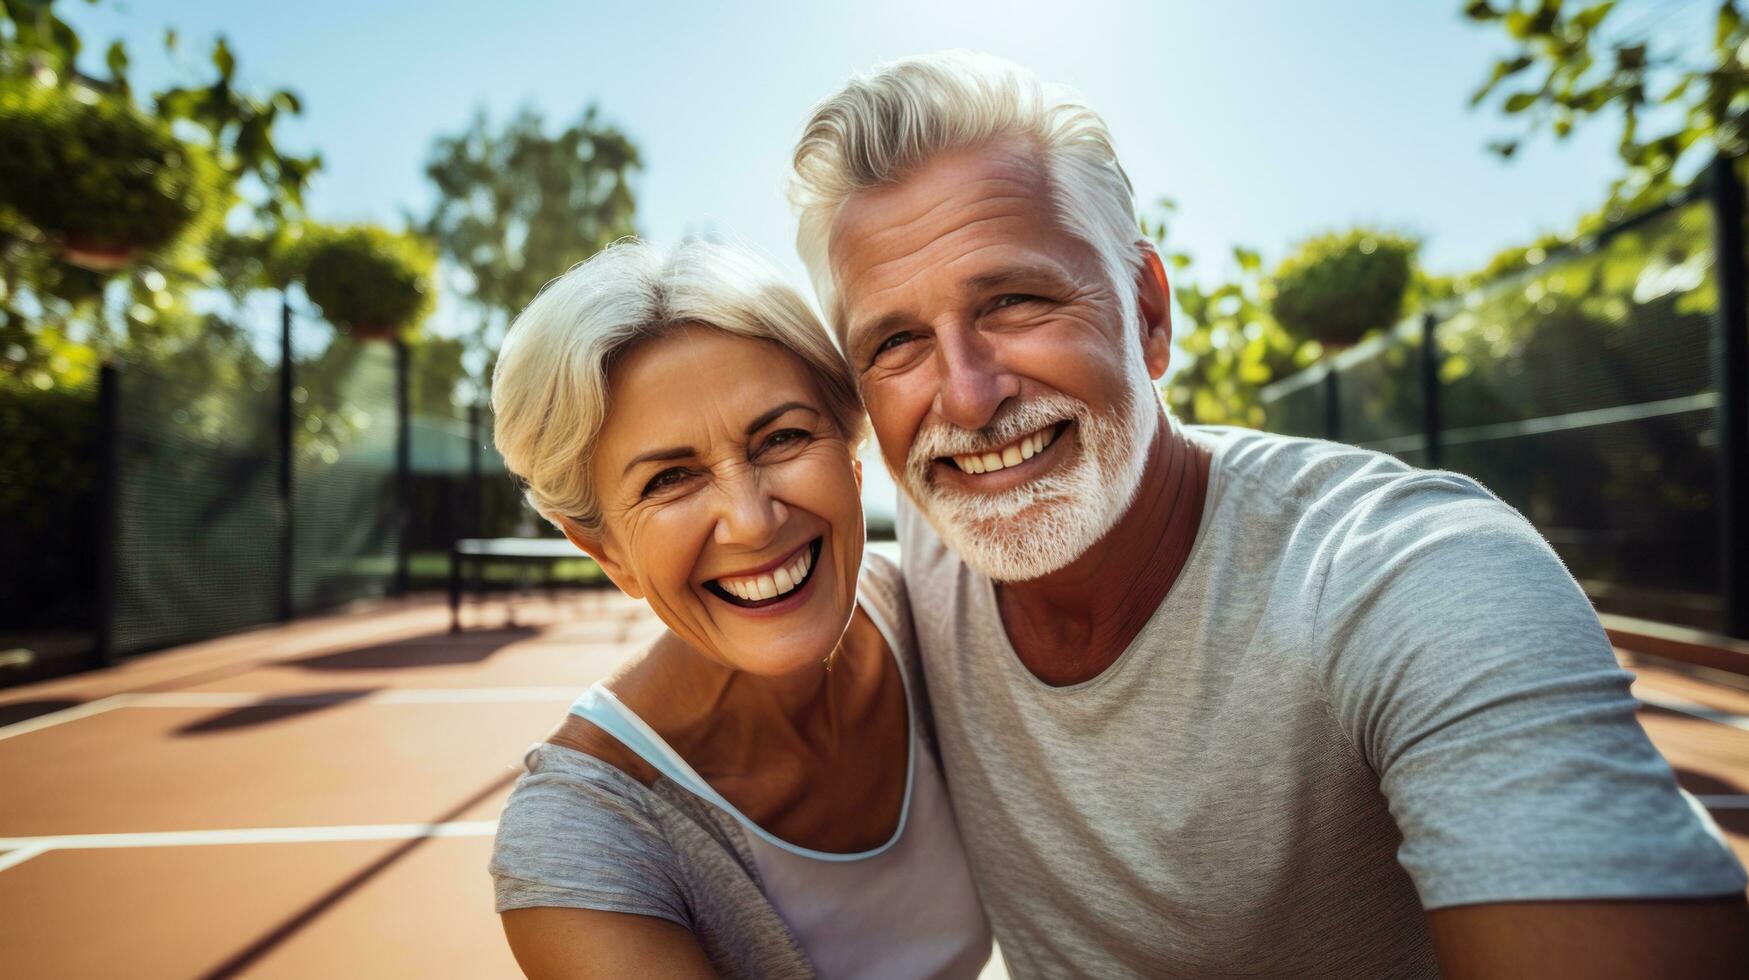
x,y
271,710
1703,784
12,714
246,958
433,650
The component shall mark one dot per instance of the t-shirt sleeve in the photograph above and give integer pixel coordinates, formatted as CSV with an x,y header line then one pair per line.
x,y
575,835
1467,667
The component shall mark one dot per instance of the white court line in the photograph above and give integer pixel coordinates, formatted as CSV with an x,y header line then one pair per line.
x,y
1692,709
245,835
430,695
63,716
12,859
229,699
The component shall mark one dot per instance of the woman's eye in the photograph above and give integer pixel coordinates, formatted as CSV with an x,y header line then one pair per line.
x,y
668,479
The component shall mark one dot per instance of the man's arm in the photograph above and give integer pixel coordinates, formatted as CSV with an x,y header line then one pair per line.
x,y
1598,940
574,944
1543,831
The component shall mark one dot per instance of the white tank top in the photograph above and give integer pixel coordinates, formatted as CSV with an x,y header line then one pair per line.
x,y
904,909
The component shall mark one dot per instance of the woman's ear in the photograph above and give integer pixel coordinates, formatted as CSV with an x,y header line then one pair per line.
x,y
598,549
856,467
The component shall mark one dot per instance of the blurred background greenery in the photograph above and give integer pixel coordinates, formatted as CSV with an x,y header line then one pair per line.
x,y
163,228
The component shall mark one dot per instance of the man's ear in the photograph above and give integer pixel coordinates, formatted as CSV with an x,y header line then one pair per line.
x,y
1154,304
598,549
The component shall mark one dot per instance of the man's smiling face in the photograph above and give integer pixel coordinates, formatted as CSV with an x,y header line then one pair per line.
x,y
1010,399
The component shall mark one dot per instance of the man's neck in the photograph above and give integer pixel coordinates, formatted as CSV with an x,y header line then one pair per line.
x,y
1069,626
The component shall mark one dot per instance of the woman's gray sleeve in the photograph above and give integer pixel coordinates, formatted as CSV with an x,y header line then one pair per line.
x,y
573,839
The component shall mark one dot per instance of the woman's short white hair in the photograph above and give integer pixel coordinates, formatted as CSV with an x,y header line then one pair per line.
x,y
886,124
550,388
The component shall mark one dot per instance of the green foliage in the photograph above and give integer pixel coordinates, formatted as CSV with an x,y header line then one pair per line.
x,y
516,208
1231,345
48,308
367,280
1337,288
1625,60
96,173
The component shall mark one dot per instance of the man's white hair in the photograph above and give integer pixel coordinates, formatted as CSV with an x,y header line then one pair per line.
x,y
886,124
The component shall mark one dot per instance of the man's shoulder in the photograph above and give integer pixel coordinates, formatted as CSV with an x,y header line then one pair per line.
x,y
1330,485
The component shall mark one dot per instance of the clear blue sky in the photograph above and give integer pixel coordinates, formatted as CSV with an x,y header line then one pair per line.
x,y
1266,121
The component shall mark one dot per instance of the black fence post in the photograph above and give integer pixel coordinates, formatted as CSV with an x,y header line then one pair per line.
x,y
109,512
287,428
1332,401
475,487
1730,354
403,464
1430,389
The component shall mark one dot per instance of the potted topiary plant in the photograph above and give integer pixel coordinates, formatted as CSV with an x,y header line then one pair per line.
x,y
369,281
1337,288
101,181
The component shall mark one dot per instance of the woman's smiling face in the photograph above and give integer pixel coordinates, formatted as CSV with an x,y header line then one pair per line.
x,y
729,499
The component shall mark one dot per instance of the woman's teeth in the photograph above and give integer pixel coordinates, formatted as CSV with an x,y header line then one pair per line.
x,y
1010,455
770,585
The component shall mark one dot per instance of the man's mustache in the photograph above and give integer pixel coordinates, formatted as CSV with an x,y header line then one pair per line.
x,y
942,438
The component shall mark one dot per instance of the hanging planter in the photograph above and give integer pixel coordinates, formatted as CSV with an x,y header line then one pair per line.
x,y
1337,288
368,281
102,181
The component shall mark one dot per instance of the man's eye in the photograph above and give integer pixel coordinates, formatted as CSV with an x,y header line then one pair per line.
x,y
668,479
785,439
1014,299
894,342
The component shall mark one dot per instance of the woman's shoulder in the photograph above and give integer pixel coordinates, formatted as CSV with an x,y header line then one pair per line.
x,y
579,833
582,737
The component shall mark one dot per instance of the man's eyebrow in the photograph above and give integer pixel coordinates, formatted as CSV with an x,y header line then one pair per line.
x,y
878,327
774,414
1012,275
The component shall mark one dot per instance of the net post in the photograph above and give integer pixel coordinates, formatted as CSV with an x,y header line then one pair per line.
x,y
403,463
287,426
109,512
1430,389
1730,356
1332,401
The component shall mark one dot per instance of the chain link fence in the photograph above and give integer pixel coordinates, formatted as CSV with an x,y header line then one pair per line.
x,y
1588,393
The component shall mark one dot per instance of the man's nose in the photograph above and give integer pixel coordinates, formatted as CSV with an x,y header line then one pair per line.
x,y
974,383
749,516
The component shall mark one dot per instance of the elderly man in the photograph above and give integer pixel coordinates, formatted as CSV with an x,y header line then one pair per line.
x,y
1214,702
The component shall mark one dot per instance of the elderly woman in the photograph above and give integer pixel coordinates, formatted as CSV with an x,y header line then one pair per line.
x,y
756,795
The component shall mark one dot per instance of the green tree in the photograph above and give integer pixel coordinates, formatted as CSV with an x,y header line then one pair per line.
x,y
57,320
516,207
1676,98
1337,288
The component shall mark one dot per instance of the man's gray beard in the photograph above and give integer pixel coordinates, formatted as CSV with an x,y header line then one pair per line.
x,y
1041,526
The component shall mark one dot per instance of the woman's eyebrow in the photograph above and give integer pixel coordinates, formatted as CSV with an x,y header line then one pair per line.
x,y
774,414
687,452
659,456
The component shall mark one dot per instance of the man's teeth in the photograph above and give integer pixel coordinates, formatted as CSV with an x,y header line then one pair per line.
x,y
1010,455
770,585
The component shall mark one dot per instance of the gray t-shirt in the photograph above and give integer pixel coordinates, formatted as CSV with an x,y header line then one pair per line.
x,y
1372,690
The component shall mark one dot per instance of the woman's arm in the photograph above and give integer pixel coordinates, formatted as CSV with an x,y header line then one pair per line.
x,y
573,944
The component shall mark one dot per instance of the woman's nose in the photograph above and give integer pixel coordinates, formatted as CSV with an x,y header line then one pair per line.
x,y
750,517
